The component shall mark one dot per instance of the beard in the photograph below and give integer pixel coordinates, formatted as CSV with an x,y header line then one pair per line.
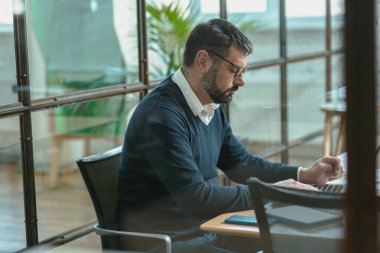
x,y
208,82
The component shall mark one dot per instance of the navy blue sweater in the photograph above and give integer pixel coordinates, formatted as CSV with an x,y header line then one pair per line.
x,y
168,178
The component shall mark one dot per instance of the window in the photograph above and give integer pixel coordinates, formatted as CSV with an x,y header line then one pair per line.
x,y
315,8
6,16
235,6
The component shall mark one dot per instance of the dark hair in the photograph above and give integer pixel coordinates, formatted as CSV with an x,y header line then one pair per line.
x,y
217,35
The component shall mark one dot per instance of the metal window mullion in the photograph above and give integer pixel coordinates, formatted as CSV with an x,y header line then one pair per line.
x,y
86,96
328,45
26,137
223,15
283,76
142,44
223,9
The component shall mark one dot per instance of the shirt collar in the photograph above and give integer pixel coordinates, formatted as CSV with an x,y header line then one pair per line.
x,y
204,112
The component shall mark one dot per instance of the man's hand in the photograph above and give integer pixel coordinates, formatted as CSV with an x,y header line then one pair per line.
x,y
291,183
325,169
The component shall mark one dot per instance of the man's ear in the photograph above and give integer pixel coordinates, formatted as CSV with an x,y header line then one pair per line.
x,y
203,61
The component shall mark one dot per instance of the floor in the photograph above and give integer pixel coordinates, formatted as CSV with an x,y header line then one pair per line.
x,y
60,209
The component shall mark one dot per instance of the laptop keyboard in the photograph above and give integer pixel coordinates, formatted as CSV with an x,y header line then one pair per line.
x,y
334,188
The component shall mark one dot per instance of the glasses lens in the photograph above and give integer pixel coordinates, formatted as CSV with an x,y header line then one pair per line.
x,y
240,71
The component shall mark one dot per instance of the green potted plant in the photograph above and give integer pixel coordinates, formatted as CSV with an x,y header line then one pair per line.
x,y
168,27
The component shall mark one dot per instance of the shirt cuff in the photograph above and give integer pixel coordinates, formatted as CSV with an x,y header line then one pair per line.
x,y
298,173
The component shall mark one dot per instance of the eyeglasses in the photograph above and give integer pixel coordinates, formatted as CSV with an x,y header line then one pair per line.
x,y
238,69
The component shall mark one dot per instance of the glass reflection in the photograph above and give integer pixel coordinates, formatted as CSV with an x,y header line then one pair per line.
x,y
305,26
255,110
12,225
69,55
8,82
61,136
306,94
337,24
259,20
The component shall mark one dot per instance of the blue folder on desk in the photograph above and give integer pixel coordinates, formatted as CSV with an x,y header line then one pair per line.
x,y
241,220
245,220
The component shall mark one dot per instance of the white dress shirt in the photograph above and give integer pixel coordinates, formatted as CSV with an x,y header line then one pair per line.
x,y
206,112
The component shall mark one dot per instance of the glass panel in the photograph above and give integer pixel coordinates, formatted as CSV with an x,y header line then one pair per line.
x,y
305,26
8,81
255,110
337,65
306,91
253,20
207,9
66,52
377,30
378,44
169,24
337,24
299,8
125,22
61,136
12,225
378,97
259,21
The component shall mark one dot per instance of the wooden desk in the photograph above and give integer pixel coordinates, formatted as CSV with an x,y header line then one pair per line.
x,y
331,110
218,226
324,238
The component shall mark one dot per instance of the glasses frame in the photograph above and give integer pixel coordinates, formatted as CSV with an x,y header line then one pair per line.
x,y
239,69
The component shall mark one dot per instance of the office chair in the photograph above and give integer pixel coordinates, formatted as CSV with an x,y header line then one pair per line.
x,y
266,196
100,173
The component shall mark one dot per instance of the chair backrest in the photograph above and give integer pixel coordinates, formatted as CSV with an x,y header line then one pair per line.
x,y
266,196
100,173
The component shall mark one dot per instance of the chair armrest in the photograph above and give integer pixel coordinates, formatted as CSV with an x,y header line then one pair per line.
x,y
166,238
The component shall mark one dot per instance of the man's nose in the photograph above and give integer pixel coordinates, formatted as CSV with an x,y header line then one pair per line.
x,y
239,80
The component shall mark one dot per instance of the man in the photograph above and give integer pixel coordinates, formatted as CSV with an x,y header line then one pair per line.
x,y
178,136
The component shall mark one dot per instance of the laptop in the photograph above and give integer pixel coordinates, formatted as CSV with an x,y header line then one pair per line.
x,y
304,216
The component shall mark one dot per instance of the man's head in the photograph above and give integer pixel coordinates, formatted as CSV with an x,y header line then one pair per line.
x,y
218,51
217,36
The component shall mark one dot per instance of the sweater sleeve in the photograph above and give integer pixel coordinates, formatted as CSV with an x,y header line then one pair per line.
x,y
238,164
165,145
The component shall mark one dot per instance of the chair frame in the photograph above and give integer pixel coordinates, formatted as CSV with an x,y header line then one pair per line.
x,y
260,190
101,231
83,164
